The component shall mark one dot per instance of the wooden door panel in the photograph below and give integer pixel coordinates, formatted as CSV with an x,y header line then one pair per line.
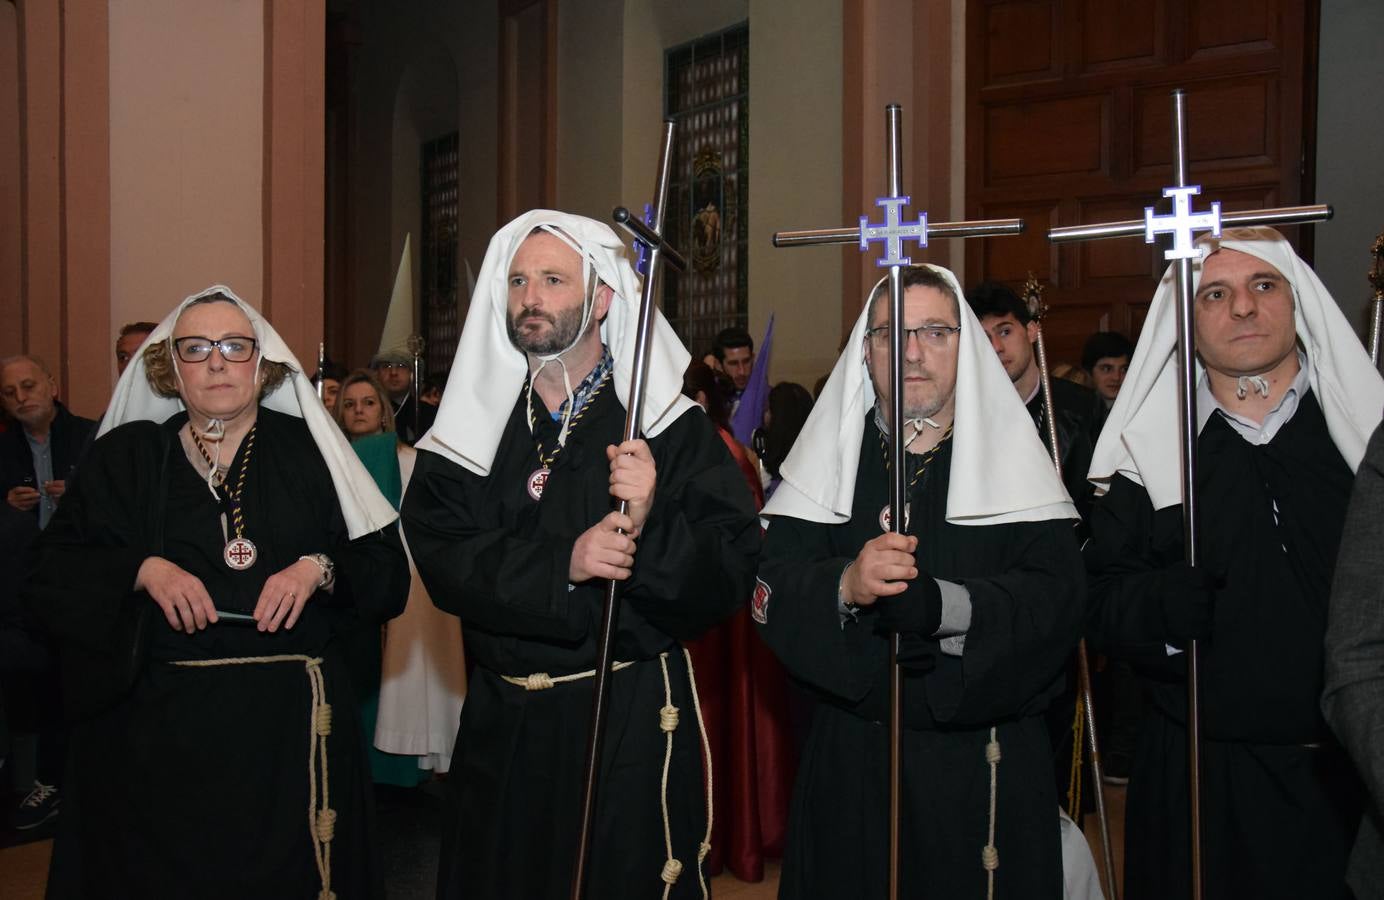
x,y
1117,35
1220,29
1022,42
1061,136
1231,123
1069,121
1023,253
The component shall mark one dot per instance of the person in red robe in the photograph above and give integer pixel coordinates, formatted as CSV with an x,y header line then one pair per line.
x,y
744,696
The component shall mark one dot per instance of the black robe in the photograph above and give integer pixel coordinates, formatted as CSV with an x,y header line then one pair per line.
x,y
1026,586
1073,404
1280,801
496,558
193,781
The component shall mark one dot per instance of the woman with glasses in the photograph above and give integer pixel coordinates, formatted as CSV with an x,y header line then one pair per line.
x,y
218,541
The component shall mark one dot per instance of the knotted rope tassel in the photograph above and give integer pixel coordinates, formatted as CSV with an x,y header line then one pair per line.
x,y
989,854
321,819
668,717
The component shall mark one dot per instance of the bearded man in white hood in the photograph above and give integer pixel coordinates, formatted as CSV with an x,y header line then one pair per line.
x,y
509,517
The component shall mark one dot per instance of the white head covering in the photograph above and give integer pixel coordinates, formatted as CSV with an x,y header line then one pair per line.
x,y
1000,471
489,371
362,505
398,321
1141,437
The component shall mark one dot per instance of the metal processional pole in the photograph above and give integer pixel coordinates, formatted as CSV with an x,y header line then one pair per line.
x,y
1183,224
1033,297
658,251
892,234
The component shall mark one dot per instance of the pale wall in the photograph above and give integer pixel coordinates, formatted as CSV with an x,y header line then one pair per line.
x,y
610,106
589,117
1350,148
795,181
413,40
186,151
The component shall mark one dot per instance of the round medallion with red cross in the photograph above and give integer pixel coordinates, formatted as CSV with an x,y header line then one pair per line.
x,y
759,602
537,482
886,517
240,554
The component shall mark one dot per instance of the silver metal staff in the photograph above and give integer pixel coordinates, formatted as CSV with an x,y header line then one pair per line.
x,y
415,347
658,250
1376,277
892,234
321,367
1033,297
1183,225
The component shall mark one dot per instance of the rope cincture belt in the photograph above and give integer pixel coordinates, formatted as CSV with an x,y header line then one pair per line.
x,y
321,819
667,723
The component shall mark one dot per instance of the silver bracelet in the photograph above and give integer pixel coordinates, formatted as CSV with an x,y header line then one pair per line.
x,y
323,562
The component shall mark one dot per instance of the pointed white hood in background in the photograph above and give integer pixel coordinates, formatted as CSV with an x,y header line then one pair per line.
x,y
489,371
1141,438
398,321
362,505
1000,470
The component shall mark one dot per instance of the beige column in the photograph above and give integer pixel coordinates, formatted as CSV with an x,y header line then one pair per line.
x,y
87,351
294,160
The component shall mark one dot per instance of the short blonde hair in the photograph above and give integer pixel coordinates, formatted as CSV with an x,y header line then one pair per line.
x,y
159,363
364,376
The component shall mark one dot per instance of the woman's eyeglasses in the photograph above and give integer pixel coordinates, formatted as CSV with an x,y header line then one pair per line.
x,y
236,349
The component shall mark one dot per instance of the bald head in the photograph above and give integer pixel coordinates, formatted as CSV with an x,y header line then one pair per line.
x,y
28,392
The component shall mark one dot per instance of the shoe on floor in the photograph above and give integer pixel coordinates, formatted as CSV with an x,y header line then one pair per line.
x,y
37,807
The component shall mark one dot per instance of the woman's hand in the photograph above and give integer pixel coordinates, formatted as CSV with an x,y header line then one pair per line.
x,y
285,593
180,594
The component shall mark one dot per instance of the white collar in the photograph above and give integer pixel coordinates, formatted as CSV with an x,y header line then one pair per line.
x,y
1276,418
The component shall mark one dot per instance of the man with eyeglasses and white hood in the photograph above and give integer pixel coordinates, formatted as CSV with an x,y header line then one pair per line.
x,y
984,587
511,523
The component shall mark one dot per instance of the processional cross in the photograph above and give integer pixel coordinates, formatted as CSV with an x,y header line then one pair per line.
x,y
653,251
1183,224
892,234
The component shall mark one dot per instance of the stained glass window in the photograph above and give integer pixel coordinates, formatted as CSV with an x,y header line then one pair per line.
x,y
439,256
707,94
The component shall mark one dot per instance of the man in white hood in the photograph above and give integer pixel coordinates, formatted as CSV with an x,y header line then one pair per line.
x,y
985,588
1286,400
509,519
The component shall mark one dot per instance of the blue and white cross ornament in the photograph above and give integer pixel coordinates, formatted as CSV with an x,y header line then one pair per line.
x,y
893,232
641,249
1182,224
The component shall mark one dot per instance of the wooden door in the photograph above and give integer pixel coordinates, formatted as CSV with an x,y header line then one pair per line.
x,y
1069,121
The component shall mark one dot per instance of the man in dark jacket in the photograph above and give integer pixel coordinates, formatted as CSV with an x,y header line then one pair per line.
x,y
1012,331
37,457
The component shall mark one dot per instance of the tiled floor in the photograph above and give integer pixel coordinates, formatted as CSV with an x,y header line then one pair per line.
x,y
24,869
727,885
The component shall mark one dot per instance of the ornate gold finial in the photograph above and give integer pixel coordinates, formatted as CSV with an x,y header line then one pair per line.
x,y
1033,297
1376,275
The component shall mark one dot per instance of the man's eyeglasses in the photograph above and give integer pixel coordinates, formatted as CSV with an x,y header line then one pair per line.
x,y
927,335
236,349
